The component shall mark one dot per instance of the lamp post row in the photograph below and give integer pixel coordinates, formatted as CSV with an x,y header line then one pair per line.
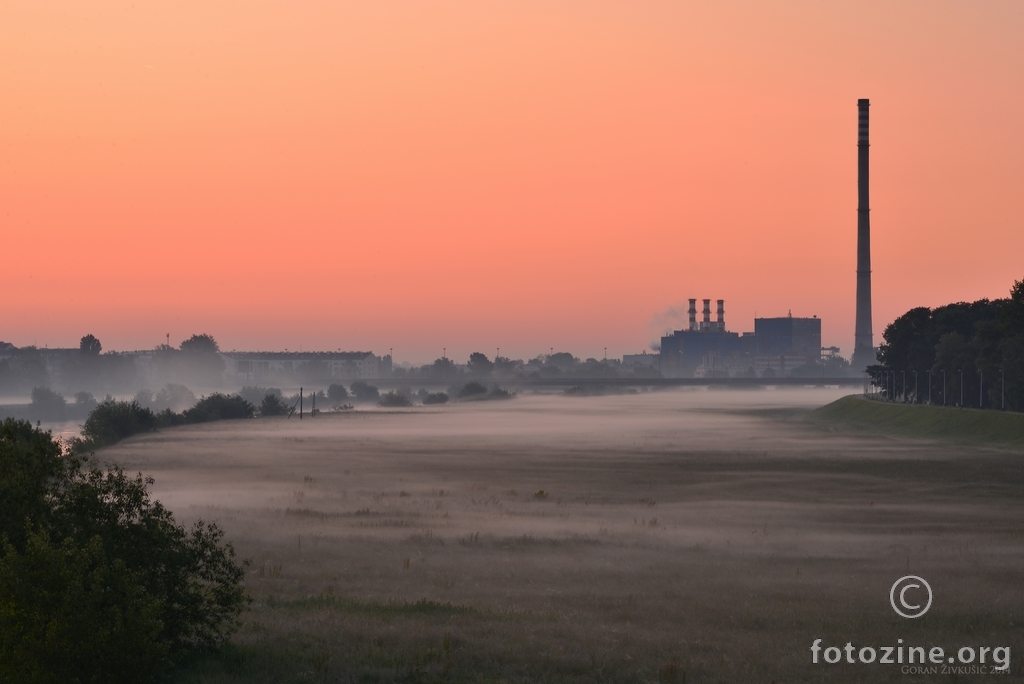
x,y
889,381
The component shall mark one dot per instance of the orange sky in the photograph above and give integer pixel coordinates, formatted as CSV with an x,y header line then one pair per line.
x,y
469,175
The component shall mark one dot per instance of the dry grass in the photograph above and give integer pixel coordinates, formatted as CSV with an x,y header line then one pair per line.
x,y
678,539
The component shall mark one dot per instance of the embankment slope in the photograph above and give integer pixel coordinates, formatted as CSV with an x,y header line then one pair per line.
x,y
996,428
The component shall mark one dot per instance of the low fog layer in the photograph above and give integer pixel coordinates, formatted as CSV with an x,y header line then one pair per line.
x,y
711,529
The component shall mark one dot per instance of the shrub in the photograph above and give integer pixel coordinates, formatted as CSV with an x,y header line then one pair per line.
x,y
168,418
472,389
85,400
436,398
113,421
47,404
364,391
219,406
272,406
394,400
337,393
254,395
499,393
102,585
175,397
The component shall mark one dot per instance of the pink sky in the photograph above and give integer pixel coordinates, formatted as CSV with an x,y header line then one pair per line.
x,y
475,175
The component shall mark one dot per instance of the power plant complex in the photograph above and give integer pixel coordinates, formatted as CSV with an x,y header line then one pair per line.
x,y
778,345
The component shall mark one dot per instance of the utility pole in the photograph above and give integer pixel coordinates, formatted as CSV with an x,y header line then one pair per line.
x,y
929,386
916,395
300,403
1002,390
981,388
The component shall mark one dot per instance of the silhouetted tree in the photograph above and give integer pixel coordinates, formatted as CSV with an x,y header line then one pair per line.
x,y
47,404
200,344
90,346
364,391
480,365
337,393
272,406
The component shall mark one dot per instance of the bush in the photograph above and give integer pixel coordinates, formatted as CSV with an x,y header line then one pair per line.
x,y
102,585
219,406
394,400
254,395
364,391
113,421
435,398
175,397
337,393
85,401
499,393
47,404
272,406
472,389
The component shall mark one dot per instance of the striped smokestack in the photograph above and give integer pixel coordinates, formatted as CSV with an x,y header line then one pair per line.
x,y
706,323
693,314
863,339
720,323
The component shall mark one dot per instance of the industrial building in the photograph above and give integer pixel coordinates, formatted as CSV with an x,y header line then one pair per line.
x,y
707,349
788,335
706,343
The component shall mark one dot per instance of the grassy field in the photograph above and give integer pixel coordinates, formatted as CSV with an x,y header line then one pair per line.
x,y
663,537
924,422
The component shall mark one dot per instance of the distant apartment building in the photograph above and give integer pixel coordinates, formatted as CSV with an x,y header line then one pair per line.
x,y
246,367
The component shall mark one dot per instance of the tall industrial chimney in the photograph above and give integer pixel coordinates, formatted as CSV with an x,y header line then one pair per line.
x,y
721,315
706,324
863,344
693,314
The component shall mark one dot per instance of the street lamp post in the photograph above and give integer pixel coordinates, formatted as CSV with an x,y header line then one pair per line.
x,y
916,395
1002,390
943,386
903,396
929,386
961,372
981,388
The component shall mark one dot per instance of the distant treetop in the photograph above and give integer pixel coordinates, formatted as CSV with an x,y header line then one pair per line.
x,y
90,345
200,344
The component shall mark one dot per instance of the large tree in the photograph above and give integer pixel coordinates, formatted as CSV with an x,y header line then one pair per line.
x,y
90,346
98,583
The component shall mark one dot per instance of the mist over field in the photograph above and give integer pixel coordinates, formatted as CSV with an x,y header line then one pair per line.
x,y
668,536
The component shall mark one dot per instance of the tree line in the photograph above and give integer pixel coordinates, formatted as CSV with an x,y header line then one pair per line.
x,y
967,354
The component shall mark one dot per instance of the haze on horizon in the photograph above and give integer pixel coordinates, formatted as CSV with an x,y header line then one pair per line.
x,y
479,175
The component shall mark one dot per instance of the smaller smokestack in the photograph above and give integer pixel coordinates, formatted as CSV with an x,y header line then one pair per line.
x,y
693,314
706,323
721,315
